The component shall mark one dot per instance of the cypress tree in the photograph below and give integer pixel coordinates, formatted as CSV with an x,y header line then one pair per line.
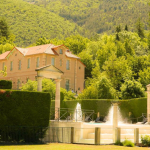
x,y
4,29
126,27
140,30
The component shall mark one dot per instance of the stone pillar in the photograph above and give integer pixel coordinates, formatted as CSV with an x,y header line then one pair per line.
x,y
97,136
39,86
115,121
136,135
148,103
57,99
116,135
115,115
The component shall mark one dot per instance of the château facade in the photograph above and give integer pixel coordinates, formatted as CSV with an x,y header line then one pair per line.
x,y
21,64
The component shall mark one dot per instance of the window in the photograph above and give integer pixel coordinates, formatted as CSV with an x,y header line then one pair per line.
x,y
60,62
3,67
60,51
53,61
79,67
19,67
28,63
68,65
67,84
37,62
11,65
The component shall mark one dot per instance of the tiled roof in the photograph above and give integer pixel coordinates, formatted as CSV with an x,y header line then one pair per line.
x,y
37,49
68,54
47,49
22,50
3,56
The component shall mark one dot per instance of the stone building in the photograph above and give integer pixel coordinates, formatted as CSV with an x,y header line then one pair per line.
x,y
21,64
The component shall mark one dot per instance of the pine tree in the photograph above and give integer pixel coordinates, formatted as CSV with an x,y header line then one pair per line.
x,y
118,29
4,29
140,30
117,37
126,27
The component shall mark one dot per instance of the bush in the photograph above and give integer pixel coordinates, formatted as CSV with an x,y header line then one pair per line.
x,y
145,140
119,143
5,84
23,109
132,89
128,143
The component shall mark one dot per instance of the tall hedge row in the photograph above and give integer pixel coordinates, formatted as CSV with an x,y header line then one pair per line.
x,y
23,109
135,106
5,84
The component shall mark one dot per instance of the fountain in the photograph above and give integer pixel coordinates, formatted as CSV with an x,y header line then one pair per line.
x,y
78,113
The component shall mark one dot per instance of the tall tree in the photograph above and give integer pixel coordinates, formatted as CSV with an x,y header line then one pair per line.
x,y
139,28
4,29
126,27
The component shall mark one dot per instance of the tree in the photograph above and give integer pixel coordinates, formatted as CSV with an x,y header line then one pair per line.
x,y
76,43
139,28
4,72
105,89
86,58
144,77
4,29
90,93
126,27
132,89
118,29
29,86
117,70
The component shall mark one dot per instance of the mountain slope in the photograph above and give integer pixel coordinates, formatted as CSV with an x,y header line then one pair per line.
x,y
99,15
30,22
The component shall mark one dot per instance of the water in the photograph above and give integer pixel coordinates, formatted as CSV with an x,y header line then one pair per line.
x,y
110,117
78,113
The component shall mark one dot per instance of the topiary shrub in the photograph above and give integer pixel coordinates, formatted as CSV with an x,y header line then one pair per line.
x,y
24,115
128,143
145,140
5,84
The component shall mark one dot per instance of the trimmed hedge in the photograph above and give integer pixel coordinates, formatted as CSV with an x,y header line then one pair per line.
x,y
24,109
136,106
5,84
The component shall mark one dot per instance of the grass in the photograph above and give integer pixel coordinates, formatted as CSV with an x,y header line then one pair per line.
x,y
58,146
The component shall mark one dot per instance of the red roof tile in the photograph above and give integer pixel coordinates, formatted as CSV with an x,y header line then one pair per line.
x,y
3,56
68,54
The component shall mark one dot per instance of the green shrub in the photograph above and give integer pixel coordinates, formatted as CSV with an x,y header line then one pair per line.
x,y
23,109
128,143
119,143
5,84
145,140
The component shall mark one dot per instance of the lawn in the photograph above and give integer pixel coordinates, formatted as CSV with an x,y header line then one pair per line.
x,y
58,146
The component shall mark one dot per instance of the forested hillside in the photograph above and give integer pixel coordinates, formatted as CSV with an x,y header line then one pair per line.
x,y
99,15
30,22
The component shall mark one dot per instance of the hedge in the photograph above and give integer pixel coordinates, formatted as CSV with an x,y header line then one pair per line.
x,y
24,109
5,84
135,106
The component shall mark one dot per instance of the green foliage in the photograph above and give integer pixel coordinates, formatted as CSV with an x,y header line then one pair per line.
x,y
26,109
29,86
4,29
30,22
76,43
128,143
48,86
5,84
86,58
118,143
145,140
99,16
132,89
105,89
140,30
